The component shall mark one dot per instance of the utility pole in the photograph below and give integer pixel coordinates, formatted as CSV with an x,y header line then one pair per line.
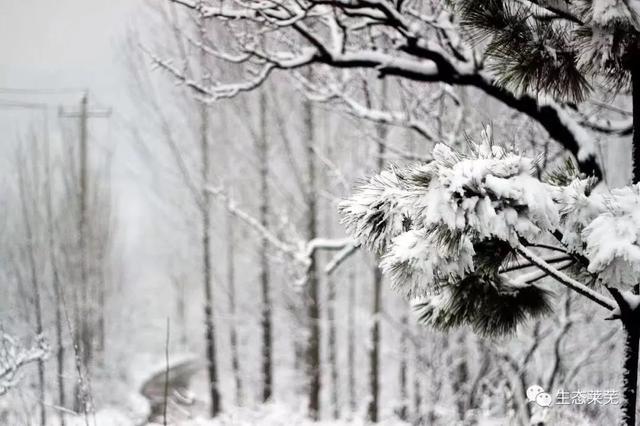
x,y
83,114
85,337
83,308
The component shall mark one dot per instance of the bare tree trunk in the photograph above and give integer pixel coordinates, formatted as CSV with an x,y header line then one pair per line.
x,y
311,288
434,382
55,275
333,361
404,392
101,325
233,332
374,351
208,294
404,321
178,285
35,284
417,394
331,289
263,160
351,340
460,375
84,339
205,210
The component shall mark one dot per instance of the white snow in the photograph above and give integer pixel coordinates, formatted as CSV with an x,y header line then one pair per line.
x,y
108,416
419,254
493,195
612,238
632,300
604,12
275,414
584,139
452,203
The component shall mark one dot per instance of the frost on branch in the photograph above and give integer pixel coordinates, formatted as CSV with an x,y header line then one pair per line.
x,y
444,228
13,356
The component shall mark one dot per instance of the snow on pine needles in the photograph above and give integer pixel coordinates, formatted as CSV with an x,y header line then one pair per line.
x,y
446,229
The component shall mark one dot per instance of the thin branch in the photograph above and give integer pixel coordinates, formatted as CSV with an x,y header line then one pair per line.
x,y
517,267
340,257
276,242
300,252
565,280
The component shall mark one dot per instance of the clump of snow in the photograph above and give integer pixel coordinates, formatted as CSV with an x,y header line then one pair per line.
x,y
605,12
415,258
610,25
632,299
578,207
613,238
426,219
604,227
585,140
491,193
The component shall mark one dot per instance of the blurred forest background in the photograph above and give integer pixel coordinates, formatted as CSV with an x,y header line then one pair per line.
x,y
146,225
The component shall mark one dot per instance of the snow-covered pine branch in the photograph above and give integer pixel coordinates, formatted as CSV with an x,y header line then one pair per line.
x,y
447,229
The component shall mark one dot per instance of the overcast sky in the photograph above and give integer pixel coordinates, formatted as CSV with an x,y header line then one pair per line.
x,y
63,43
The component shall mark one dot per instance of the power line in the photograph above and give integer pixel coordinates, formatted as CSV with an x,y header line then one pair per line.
x,y
25,91
26,105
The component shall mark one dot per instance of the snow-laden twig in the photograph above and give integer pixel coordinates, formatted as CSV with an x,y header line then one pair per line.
x,y
531,277
336,94
13,357
518,266
273,239
341,256
566,280
301,251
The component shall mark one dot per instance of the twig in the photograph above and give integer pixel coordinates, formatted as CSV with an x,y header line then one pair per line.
x,y
340,257
565,280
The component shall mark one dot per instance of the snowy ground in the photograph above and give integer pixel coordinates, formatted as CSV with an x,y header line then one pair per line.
x,y
265,415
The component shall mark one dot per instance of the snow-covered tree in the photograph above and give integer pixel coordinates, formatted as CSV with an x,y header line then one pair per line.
x,y
455,233
561,49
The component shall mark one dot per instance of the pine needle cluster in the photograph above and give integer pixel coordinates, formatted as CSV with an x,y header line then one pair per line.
x,y
555,48
445,228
